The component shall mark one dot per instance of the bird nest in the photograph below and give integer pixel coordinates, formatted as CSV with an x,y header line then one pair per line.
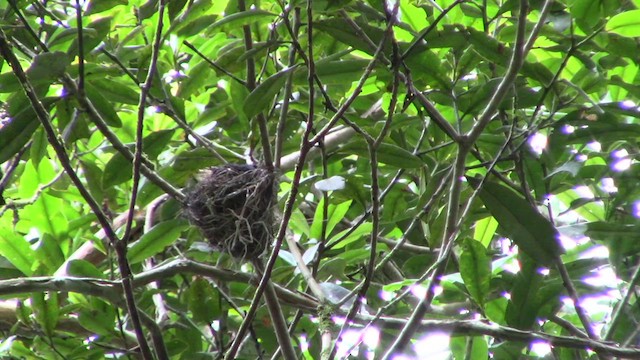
x,y
232,205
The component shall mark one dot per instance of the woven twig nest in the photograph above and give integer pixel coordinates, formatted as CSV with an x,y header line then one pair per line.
x,y
232,205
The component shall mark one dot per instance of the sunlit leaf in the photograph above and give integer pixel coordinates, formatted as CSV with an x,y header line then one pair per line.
x,y
16,250
626,23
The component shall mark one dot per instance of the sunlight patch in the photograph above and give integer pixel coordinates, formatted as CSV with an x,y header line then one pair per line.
x,y
608,185
540,348
434,346
622,161
538,142
605,277
636,208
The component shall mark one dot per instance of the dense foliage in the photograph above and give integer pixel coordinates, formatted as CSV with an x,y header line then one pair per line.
x,y
456,178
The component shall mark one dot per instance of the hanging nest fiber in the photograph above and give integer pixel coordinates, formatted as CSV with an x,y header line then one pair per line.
x,y
232,205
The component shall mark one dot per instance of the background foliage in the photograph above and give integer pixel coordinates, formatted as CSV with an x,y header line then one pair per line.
x,y
458,173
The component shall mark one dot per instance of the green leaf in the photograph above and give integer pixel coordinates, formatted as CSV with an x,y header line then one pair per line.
x,y
98,6
154,241
203,301
119,169
83,268
484,230
21,126
195,159
115,91
626,24
475,270
523,308
38,147
46,310
357,234
389,154
335,213
48,252
522,223
16,250
336,72
105,107
98,318
342,31
241,18
47,67
262,96
92,35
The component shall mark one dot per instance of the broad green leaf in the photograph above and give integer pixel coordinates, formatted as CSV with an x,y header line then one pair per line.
x,y
475,269
389,154
194,11
105,107
299,223
342,31
262,97
48,66
484,230
626,24
155,240
99,317
116,91
46,214
21,126
38,146
83,268
119,170
523,308
93,35
203,301
175,7
335,213
195,159
337,72
355,235
44,70
522,223
241,18
46,310
98,6
48,252
16,250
